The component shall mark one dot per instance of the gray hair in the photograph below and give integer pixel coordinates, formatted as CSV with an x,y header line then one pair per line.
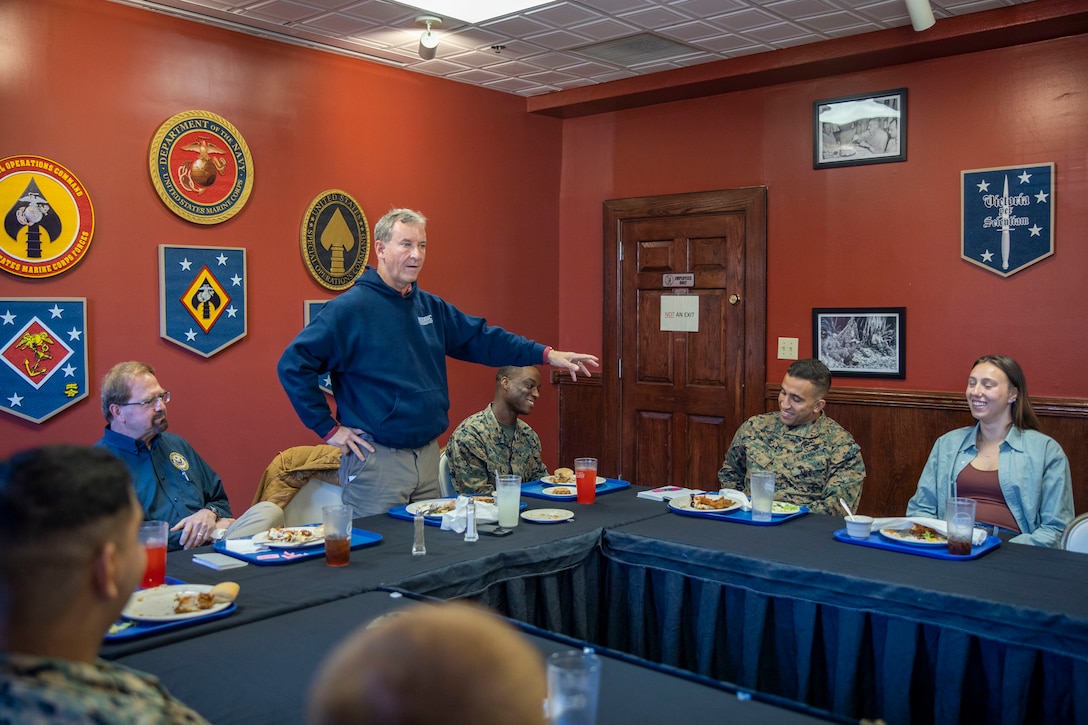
x,y
383,230
117,385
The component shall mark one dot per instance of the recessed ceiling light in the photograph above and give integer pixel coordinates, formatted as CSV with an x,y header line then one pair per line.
x,y
475,11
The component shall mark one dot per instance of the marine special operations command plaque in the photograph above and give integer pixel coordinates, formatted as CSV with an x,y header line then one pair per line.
x,y
48,217
335,239
201,167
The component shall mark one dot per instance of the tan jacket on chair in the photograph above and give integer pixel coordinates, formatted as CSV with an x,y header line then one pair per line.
x,y
292,469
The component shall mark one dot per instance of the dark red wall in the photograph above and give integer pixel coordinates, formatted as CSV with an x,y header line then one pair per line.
x,y
881,235
515,202
87,83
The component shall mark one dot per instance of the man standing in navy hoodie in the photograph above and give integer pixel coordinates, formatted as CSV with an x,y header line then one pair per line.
x,y
385,343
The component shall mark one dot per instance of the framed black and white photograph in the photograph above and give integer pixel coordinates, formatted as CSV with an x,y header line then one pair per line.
x,y
869,128
861,342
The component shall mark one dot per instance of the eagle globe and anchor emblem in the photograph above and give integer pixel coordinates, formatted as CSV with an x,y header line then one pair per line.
x,y
201,167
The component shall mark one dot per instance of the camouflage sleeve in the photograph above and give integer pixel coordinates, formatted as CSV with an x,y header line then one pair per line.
x,y
847,474
734,467
467,456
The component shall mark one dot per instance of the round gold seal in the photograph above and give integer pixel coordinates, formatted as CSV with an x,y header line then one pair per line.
x,y
335,239
201,167
48,217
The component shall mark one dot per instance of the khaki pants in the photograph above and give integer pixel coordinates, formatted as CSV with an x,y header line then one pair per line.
x,y
389,477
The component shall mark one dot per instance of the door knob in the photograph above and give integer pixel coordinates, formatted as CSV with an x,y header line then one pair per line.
x,y
734,299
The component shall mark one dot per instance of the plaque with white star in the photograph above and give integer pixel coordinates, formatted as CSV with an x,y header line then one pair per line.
x,y
202,297
1008,217
43,355
310,310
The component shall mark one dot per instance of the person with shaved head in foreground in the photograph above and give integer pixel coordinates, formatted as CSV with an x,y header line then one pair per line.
x,y
447,664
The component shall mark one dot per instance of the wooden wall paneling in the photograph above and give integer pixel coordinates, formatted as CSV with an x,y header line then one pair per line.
x,y
896,430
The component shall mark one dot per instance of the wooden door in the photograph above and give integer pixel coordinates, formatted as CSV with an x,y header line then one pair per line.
x,y
681,395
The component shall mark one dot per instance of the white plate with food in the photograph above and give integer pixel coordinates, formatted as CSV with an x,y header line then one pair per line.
x,y
547,516
433,507
564,491
291,537
551,481
916,535
172,602
704,503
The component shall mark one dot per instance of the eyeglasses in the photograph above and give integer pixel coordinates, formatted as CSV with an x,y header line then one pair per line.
x,y
163,397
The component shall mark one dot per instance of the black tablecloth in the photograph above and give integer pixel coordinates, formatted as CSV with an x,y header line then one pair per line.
x,y
260,673
451,568
862,632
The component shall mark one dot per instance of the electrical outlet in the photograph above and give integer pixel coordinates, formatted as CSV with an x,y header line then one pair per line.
x,y
787,348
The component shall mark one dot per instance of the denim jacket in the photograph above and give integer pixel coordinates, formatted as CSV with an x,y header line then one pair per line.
x,y
1032,470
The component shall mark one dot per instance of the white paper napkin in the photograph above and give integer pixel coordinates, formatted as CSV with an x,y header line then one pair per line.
x,y
242,546
905,522
457,520
738,496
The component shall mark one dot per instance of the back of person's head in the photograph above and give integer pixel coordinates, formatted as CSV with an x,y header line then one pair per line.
x,y
58,505
383,230
448,664
814,371
117,384
1023,415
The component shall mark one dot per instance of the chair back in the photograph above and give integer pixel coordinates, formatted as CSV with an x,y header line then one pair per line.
x,y
445,482
1075,537
305,507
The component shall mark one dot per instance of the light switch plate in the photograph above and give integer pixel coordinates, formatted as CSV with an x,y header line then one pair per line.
x,y
787,348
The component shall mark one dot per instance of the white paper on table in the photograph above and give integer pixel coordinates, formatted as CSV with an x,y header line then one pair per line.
x,y
978,537
457,519
665,493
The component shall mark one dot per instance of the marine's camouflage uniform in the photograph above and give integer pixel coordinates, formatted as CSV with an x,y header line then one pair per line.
x,y
479,448
814,464
40,690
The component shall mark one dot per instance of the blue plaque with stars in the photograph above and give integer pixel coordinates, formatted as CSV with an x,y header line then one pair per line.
x,y
310,310
43,343
202,297
1008,217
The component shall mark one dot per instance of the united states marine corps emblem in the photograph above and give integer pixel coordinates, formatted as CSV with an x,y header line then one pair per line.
x,y
335,239
201,167
48,217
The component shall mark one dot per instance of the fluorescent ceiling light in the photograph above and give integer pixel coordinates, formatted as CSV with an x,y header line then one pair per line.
x,y
475,11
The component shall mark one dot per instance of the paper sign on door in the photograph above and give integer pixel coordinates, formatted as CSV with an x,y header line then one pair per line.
x,y
680,313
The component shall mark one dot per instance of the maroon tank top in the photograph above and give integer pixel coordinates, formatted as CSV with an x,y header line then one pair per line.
x,y
983,486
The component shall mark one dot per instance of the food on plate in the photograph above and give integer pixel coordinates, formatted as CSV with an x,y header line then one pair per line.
x,y
551,515
290,535
563,475
561,491
781,507
193,602
484,499
917,532
437,508
709,503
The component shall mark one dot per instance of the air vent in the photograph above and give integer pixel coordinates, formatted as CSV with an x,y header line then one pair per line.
x,y
636,50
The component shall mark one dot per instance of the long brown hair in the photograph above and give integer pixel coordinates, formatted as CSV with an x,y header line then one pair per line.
x,y
1023,415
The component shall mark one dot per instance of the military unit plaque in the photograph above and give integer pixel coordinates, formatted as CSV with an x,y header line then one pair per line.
x,y
43,343
335,239
48,217
202,297
201,167
1008,217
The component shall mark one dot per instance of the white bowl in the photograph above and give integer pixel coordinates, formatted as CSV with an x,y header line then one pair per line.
x,y
859,527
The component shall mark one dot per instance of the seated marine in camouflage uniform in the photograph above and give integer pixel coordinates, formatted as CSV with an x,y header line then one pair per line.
x,y
69,559
494,441
815,460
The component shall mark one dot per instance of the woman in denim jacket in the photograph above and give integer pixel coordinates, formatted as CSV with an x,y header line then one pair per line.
x,y
1019,476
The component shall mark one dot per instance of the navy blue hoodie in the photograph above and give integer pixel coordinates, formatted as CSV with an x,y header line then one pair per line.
x,y
387,356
